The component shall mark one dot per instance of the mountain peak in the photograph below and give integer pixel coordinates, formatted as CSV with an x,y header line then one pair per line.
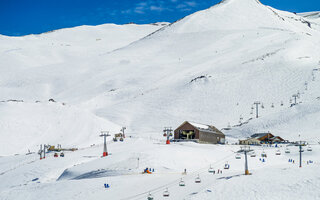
x,y
234,15
242,1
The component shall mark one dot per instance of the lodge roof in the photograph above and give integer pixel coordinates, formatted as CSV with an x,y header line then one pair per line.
x,y
203,127
260,135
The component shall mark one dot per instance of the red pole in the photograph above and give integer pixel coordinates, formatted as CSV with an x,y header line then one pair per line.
x,y
168,137
104,135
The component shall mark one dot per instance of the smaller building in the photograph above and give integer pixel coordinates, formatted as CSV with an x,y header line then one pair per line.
x,y
276,139
249,141
263,137
190,131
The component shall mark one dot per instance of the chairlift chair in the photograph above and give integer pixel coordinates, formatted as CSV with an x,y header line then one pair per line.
x,y
226,166
150,197
253,154
309,148
182,183
287,150
166,193
278,152
210,170
197,180
238,156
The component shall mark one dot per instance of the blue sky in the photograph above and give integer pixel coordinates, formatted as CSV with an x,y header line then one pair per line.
x,y
22,17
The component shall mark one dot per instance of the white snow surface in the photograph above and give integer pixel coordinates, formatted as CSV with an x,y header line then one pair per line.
x,y
314,16
209,67
82,174
26,125
202,126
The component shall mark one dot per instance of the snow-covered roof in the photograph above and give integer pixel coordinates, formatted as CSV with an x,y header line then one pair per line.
x,y
259,135
206,128
201,126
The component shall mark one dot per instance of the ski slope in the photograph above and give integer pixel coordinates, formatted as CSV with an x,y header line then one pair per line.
x,y
24,126
314,16
162,74
82,174
209,68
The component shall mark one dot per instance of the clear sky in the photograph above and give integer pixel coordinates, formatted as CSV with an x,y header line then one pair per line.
x,y
22,17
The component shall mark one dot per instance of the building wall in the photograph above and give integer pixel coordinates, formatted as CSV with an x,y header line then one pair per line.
x,y
186,127
249,141
205,137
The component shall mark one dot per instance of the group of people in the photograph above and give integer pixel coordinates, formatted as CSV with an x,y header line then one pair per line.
x,y
148,170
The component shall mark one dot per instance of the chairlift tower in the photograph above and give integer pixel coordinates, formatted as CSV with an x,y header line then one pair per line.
x,y
44,151
295,96
257,103
122,130
168,132
300,144
40,152
245,150
104,134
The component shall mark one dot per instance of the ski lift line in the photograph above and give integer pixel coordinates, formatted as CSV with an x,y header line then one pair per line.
x,y
189,176
175,182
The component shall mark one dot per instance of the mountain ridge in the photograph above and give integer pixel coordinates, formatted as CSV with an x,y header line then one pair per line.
x,y
197,69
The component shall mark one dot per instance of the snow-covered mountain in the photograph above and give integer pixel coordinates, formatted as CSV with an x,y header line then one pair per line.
x,y
34,67
315,16
208,67
66,86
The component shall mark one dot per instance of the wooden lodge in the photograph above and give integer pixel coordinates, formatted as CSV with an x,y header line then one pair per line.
x,y
249,141
190,131
262,138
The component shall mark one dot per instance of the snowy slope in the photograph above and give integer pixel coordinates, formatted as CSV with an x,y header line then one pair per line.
x,y
59,46
208,67
27,125
314,16
210,70
33,67
82,174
